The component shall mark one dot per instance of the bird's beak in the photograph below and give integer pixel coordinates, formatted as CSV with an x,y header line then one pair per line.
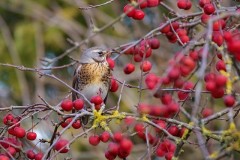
x,y
107,53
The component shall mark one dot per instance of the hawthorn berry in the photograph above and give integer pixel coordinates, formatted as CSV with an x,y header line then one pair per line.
x,y
229,100
118,136
78,104
61,146
114,85
142,4
146,66
31,136
126,145
166,98
209,8
138,14
19,132
105,136
12,151
77,124
67,105
113,148
129,10
97,100
154,43
111,63
39,156
220,65
94,140
173,130
153,3
203,2
129,68
3,157
151,81
206,112
143,108
30,154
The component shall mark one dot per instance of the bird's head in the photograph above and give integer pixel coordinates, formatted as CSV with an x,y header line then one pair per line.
x,y
94,54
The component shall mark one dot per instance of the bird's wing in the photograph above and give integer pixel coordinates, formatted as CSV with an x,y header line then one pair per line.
x,y
109,82
75,82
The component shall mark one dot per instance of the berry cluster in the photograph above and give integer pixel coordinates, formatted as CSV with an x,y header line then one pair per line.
x,y
131,9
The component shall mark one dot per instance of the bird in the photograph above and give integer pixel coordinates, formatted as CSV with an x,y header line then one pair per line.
x,y
92,76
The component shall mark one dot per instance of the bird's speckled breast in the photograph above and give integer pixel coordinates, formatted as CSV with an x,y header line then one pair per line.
x,y
94,79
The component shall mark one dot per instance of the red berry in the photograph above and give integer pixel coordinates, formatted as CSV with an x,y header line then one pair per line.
x,y
3,157
118,136
209,9
161,124
166,98
105,136
111,63
173,130
205,18
218,39
153,3
12,151
113,148
30,154
174,73
160,152
126,145
139,128
227,36
144,51
221,80
77,124
61,146
203,2
220,65
234,47
154,43
181,4
165,29
94,140
217,93
209,77
110,156
169,155
114,85
78,104
8,119
151,80
143,3
67,105
39,156
138,14
137,58
207,112
31,136
97,100
66,122
210,85
19,132
129,10
143,108
229,100
146,66
129,68
173,107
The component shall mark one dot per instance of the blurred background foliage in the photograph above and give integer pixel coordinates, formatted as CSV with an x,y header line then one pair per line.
x,y
32,30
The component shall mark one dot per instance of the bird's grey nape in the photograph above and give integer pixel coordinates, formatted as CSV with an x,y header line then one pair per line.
x,y
101,48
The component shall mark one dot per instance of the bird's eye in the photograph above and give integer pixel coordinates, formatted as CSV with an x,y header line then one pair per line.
x,y
100,53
